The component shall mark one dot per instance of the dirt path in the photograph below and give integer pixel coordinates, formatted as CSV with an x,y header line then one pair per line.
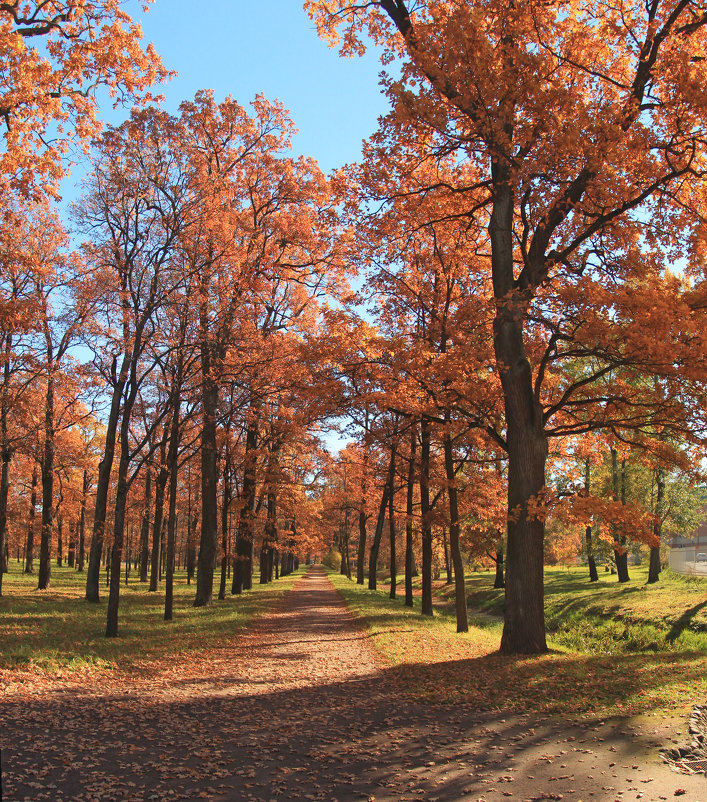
x,y
298,709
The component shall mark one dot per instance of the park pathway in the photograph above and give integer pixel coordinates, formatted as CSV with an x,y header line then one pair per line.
x,y
297,708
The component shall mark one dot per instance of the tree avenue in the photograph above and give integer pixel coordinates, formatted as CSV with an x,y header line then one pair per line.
x,y
586,126
520,371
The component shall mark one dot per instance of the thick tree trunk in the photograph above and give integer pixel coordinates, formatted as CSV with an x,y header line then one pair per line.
x,y
104,470
145,526
453,495
524,616
425,511
409,504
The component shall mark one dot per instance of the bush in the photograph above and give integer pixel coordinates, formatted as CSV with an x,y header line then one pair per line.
x,y
332,559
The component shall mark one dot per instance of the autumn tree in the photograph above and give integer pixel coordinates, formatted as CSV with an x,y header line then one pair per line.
x,y
55,57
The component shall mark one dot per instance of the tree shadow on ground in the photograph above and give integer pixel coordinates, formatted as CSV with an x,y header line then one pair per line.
x,y
344,741
684,622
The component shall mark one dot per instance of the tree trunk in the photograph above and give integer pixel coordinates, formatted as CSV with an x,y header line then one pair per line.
x,y
391,532
375,546
243,560
620,552
103,485
82,521
121,503
45,544
5,454
59,541
160,486
447,563
425,511
145,526
209,486
524,615
225,506
593,575
453,495
654,563
362,515
499,579
409,556
116,554
172,465
29,545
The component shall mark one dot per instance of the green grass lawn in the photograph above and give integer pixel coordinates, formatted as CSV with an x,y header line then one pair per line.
x,y
57,629
615,649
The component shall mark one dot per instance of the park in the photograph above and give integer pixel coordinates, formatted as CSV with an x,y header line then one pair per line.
x,y
353,401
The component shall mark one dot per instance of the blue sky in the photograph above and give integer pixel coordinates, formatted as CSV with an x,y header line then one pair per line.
x,y
244,48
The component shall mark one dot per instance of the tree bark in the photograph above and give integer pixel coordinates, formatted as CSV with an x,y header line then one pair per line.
x,y
160,485
104,470
172,465
453,495
409,556
499,579
375,546
362,514
593,575
243,560
225,507
45,543
425,511
620,552
206,561
391,532
524,615
654,563
82,521
145,526
29,545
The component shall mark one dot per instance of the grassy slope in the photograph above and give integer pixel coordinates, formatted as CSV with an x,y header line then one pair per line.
x,y
616,649
58,629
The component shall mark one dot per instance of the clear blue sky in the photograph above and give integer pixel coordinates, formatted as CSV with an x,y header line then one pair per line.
x,y
243,48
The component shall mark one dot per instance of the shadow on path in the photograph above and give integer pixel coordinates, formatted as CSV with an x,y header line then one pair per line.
x,y
298,709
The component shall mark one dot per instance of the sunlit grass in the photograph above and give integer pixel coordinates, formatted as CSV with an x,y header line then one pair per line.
x,y
57,629
615,649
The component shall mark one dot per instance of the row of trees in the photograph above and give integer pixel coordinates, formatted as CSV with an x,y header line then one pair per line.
x,y
528,223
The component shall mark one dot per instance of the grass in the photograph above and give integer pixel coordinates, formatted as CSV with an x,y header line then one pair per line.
x,y
57,629
615,649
